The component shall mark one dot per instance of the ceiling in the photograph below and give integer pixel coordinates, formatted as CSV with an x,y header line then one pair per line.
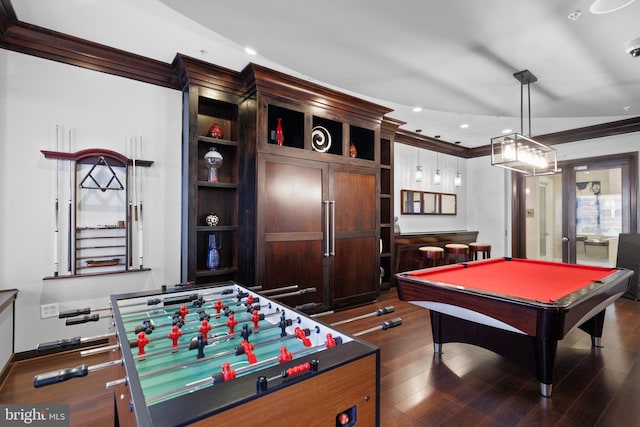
x,y
455,59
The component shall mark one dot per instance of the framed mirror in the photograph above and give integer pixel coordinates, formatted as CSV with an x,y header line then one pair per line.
x,y
416,202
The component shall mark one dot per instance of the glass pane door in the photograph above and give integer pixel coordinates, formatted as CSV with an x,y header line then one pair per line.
x,y
577,215
598,215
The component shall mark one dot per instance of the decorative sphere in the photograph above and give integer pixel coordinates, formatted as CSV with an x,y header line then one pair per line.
x,y
213,158
215,131
212,220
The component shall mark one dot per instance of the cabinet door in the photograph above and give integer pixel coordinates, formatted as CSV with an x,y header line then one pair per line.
x,y
355,224
291,224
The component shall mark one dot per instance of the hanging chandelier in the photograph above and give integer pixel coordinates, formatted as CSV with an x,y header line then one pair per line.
x,y
520,153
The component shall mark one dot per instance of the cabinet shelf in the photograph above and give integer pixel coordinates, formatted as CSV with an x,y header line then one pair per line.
x,y
217,228
217,141
222,271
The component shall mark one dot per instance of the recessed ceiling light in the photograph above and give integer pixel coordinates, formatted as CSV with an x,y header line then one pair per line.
x,y
600,7
417,109
627,108
505,131
250,51
464,125
575,15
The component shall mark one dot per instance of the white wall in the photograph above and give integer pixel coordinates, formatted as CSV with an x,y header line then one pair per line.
x,y
406,159
102,111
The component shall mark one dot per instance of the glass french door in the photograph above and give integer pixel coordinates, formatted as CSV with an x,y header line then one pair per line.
x,y
576,215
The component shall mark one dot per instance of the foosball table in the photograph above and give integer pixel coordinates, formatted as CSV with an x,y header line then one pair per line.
x,y
226,355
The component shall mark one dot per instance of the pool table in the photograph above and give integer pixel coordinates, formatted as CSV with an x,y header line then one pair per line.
x,y
516,308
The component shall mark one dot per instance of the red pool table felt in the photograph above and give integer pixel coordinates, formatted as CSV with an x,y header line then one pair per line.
x,y
525,279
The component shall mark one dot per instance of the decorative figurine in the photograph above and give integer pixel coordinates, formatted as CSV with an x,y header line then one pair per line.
x,y
279,134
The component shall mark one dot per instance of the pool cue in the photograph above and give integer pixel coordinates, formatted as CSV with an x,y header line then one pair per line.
x,y
130,212
377,312
140,228
62,343
135,178
69,234
56,226
382,327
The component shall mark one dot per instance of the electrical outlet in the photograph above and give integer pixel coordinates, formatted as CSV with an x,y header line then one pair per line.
x,y
49,310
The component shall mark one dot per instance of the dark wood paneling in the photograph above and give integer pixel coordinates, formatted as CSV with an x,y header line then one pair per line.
x,y
48,44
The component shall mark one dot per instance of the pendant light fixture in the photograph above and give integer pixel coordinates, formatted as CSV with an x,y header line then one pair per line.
x,y
457,179
418,173
437,178
521,153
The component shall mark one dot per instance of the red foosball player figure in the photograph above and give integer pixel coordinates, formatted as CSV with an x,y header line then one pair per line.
x,y
249,300
174,335
218,306
183,311
255,318
204,329
302,336
231,323
142,341
285,355
330,342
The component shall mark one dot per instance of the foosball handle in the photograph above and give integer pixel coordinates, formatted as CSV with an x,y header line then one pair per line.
x,y
60,375
391,323
83,319
58,344
74,313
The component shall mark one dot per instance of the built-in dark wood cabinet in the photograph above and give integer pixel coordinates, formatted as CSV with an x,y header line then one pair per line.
x,y
209,246
304,194
318,180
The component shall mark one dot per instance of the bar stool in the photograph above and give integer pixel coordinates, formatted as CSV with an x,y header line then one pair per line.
x,y
483,248
456,250
433,254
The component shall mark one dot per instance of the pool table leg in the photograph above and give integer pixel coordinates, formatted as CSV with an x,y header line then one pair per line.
x,y
546,349
594,327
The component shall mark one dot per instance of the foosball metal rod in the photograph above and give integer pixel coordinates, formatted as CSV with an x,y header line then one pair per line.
x,y
65,374
376,312
186,300
170,313
71,341
187,287
213,326
212,340
99,350
192,386
382,327
207,358
277,290
290,294
80,312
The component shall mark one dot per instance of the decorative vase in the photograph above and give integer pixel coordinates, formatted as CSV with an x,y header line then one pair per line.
x,y
352,150
396,227
214,161
279,134
215,131
213,255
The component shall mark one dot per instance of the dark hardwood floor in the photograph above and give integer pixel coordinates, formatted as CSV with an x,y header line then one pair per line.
x,y
465,386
